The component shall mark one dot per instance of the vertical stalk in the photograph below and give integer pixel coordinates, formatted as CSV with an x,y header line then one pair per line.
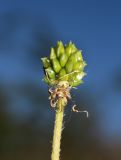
x,y
57,130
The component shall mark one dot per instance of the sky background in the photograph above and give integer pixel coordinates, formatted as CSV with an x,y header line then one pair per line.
x,y
27,31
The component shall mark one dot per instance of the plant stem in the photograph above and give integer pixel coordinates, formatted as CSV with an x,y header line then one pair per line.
x,y
57,130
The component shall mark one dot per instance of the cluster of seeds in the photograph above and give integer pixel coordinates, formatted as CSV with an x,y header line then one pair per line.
x,y
65,63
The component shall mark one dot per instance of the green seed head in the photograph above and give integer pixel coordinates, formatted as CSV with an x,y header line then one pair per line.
x,y
65,63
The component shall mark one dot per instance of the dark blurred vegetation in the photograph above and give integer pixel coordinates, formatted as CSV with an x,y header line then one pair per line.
x,y
26,120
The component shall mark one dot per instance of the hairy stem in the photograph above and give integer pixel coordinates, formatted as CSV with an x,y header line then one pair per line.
x,y
57,130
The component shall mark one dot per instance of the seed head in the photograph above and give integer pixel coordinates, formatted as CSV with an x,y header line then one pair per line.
x,y
65,63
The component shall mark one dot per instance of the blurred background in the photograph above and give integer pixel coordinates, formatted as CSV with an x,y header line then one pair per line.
x,y
27,31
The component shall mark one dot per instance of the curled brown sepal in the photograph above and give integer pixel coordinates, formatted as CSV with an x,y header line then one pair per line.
x,y
61,91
